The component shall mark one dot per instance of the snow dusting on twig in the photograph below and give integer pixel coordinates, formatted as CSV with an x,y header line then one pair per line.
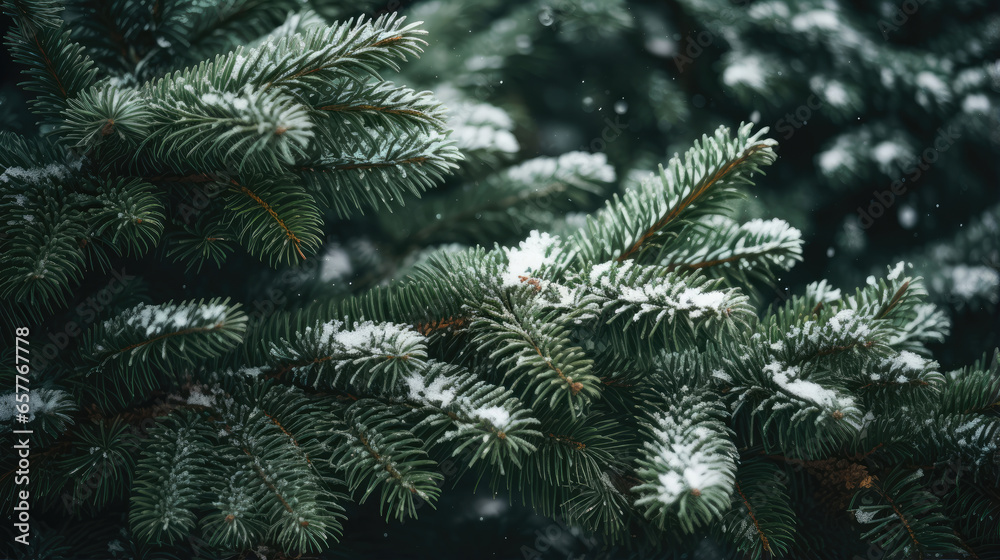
x,y
533,253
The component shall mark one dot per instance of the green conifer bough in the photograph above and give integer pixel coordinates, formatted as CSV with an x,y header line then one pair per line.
x,y
619,372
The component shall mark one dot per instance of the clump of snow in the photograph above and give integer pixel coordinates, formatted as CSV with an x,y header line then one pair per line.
x,y
247,371
473,138
896,271
8,407
973,281
786,377
336,264
478,126
747,71
722,376
599,273
19,199
662,298
228,99
483,114
692,463
765,228
846,322
200,399
438,392
156,319
887,152
908,361
571,167
769,10
567,297
930,82
904,365
836,94
656,298
40,401
495,415
442,392
977,103
368,336
534,252
816,20
864,516
835,158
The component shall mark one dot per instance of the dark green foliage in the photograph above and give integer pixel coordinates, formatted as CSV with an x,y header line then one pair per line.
x,y
619,370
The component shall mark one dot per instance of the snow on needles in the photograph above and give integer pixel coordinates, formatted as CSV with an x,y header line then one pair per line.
x,y
368,336
40,401
663,297
155,319
786,377
747,71
441,393
35,175
571,167
533,253
691,459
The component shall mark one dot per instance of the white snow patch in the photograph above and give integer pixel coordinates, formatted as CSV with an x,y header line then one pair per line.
x,y
836,94
155,319
935,85
748,71
200,399
834,159
896,271
885,153
535,252
973,281
495,415
336,264
34,175
906,361
816,19
438,392
977,103
785,377
864,516
369,335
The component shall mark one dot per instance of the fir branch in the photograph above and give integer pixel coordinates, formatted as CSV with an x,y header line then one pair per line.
x,y
346,354
56,68
687,470
699,184
383,455
274,220
905,519
369,172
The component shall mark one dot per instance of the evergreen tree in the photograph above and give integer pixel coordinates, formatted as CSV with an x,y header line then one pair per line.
x,y
619,366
